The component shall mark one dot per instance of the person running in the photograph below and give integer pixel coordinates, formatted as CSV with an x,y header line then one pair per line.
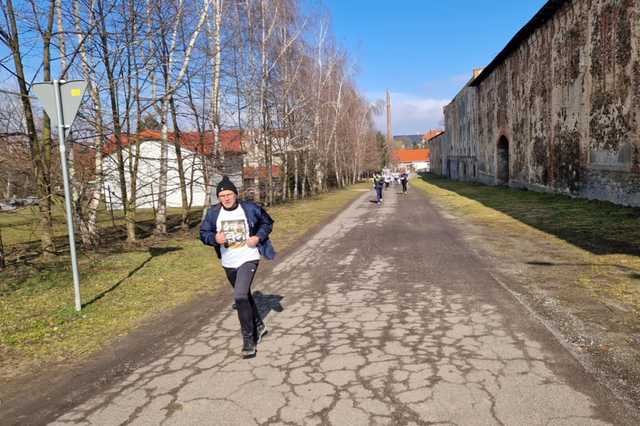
x,y
404,178
387,181
239,233
378,183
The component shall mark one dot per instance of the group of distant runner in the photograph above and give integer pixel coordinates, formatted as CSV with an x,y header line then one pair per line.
x,y
381,182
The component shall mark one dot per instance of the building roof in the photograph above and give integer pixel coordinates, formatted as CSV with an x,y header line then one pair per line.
x,y
230,140
544,14
411,155
432,134
249,172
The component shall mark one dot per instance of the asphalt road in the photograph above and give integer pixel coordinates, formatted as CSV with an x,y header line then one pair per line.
x,y
383,317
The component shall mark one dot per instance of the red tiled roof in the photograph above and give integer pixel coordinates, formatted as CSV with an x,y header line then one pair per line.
x,y
410,155
230,140
249,172
432,134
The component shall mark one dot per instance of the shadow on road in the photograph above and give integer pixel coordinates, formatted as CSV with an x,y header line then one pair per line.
x,y
267,303
153,252
599,227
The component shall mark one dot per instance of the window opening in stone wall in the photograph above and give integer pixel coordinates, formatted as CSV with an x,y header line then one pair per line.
x,y
502,161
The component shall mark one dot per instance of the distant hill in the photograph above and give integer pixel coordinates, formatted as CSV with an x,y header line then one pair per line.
x,y
409,141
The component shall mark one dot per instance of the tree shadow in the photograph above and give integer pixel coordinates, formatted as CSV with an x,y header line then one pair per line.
x,y
633,273
599,227
153,252
267,303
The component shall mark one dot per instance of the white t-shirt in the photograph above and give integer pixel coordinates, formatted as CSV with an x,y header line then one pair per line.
x,y
236,230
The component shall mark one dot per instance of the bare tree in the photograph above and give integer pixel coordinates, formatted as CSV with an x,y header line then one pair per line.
x,y
40,149
170,84
87,222
269,68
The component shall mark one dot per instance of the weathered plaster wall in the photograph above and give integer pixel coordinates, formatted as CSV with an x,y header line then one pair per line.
x,y
461,130
439,150
567,100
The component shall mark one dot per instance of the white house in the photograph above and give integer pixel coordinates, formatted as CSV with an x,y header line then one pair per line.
x,y
194,148
415,160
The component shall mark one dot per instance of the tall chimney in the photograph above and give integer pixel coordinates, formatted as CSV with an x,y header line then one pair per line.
x,y
389,132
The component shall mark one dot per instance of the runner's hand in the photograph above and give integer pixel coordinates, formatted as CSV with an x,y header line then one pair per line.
x,y
253,241
220,238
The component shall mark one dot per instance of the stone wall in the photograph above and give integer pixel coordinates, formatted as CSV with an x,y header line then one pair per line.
x,y
436,147
564,104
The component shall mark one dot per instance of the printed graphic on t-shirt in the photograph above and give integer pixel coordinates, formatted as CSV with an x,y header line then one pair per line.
x,y
235,232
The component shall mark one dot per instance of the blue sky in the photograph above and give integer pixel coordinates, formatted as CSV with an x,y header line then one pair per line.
x,y
423,51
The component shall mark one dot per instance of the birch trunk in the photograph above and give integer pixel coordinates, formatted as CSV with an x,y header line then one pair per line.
x,y
161,210
87,222
2,261
218,150
184,221
170,86
114,102
296,173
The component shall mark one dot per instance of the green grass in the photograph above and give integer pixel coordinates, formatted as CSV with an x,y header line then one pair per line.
x,y
20,226
595,245
38,323
599,227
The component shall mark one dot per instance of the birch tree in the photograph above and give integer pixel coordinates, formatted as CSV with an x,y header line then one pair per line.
x,y
87,223
170,84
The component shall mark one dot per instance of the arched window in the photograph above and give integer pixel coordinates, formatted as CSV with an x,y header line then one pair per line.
x,y
502,161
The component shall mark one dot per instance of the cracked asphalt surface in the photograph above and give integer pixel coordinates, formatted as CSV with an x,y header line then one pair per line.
x,y
383,317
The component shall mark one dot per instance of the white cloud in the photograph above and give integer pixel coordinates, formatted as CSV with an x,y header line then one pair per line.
x,y
410,114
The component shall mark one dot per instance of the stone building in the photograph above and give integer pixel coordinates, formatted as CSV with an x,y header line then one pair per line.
x,y
439,149
558,109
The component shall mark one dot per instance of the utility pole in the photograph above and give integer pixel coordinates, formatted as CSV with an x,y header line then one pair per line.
x,y
389,131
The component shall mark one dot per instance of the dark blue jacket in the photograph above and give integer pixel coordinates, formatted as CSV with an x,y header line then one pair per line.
x,y
260,225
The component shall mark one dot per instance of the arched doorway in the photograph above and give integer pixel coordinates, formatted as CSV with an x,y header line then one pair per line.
x,y
502,154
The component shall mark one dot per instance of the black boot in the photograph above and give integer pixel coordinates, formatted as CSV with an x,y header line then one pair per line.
x,y
261,331
248,347
245,315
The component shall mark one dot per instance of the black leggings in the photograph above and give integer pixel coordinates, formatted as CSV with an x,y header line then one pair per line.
x,y
404,185
240,279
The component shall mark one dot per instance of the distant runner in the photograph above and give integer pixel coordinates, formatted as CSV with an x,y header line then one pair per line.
x,y
239,231
378,183
387,181
404,178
